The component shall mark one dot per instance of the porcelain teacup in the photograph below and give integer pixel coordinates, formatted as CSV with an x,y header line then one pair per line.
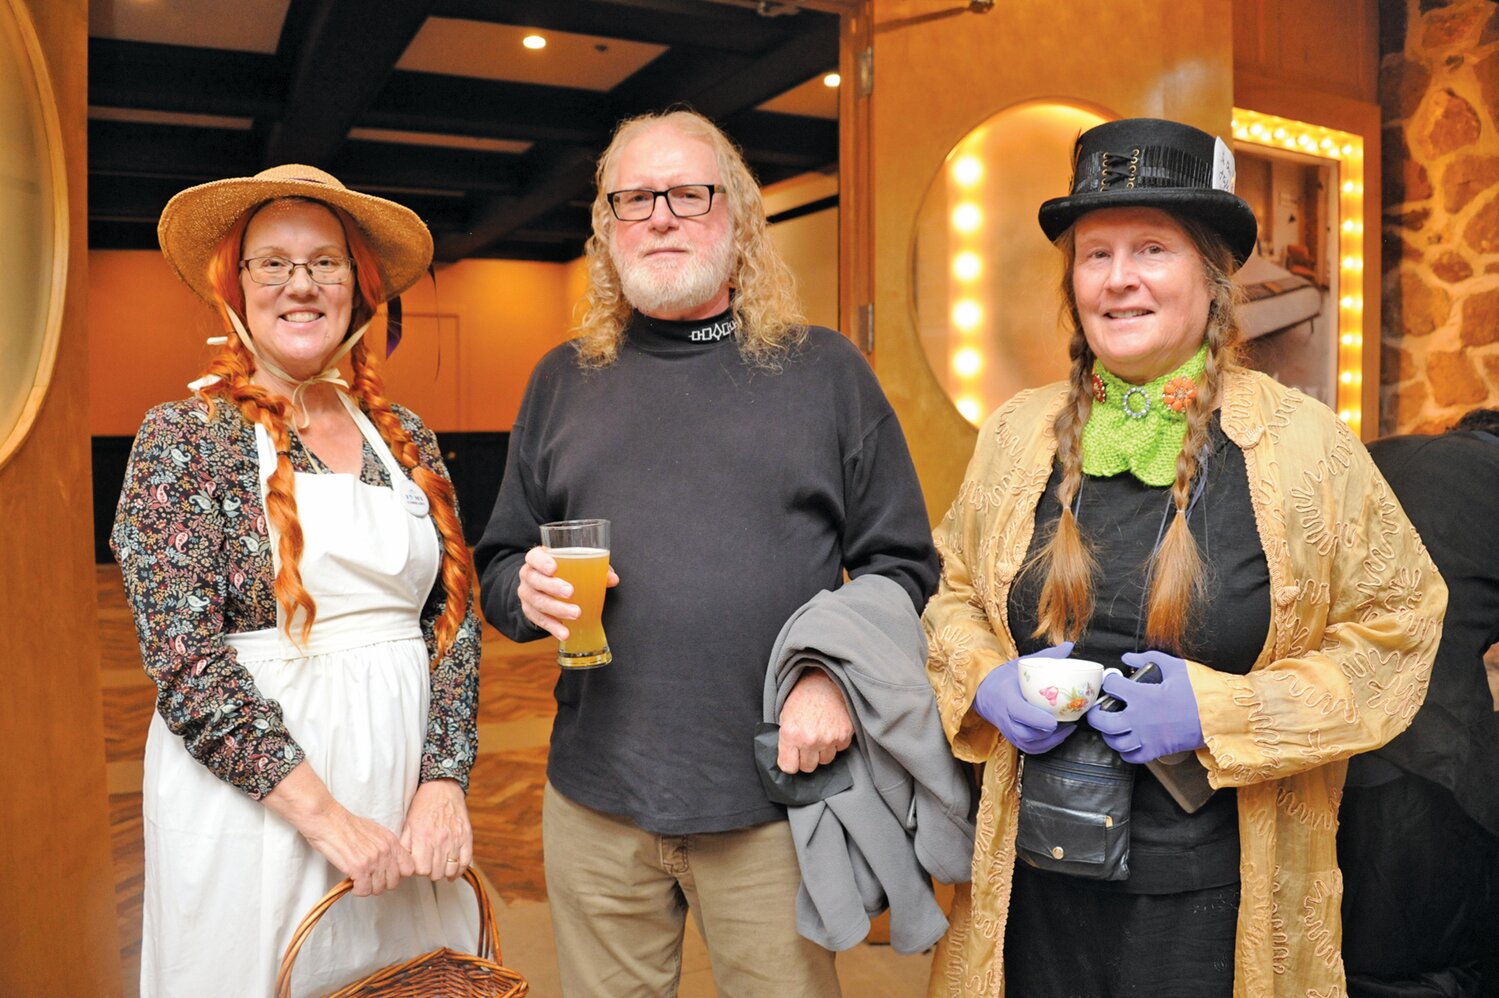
x,y
1063,687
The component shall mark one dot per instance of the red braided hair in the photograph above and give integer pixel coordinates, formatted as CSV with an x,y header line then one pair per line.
x,y
234,367
458,576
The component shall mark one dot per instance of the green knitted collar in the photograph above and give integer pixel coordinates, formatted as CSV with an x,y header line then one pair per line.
x,y
1140,428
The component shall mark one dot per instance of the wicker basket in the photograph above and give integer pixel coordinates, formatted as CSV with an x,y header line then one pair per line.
x,y
442,973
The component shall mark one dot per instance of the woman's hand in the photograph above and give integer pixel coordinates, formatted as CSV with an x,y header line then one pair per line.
x,y
1024,725
815,725
364,850
360,848
543,596
1158,719
437,832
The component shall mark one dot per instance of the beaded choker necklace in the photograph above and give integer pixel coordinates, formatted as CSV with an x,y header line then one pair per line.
x,y
1140,428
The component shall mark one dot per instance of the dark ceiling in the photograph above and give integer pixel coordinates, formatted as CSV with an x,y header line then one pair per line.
x,y
497,164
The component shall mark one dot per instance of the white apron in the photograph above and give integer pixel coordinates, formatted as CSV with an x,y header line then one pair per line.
x,y
227,881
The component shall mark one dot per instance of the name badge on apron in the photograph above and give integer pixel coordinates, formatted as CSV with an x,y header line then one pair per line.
x,y
413,498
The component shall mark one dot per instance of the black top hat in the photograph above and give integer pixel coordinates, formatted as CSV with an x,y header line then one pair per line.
x,y
1147,162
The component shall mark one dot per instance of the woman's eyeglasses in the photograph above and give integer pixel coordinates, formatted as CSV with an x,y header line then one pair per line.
x,y
273,270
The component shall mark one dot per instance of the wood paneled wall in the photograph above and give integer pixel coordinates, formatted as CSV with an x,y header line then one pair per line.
x,y
56,882
1330,47
939,71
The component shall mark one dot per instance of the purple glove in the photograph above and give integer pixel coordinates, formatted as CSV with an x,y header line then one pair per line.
x,y
1157,719
1024,725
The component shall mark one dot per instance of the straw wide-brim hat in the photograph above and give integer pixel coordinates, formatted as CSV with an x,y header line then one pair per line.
x,y
1153,163
197,219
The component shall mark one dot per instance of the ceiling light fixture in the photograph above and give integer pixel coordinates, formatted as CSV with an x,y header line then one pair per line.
x,y
534,42
832,80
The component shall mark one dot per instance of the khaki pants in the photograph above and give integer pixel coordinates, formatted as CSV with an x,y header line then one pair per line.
x,y
618,895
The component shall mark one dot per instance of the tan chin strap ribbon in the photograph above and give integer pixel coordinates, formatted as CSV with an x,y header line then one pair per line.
x,y
328,375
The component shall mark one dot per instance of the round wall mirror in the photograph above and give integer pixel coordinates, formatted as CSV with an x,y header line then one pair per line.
x,y
984,278
34,217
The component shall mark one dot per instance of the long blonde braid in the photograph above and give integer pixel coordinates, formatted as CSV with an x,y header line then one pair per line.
x,y
1176,575
1066,602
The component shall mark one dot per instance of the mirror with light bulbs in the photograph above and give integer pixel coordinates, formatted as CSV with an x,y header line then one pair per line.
x,y
985,280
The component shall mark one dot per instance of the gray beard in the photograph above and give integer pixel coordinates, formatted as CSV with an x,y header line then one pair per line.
x,y
695,283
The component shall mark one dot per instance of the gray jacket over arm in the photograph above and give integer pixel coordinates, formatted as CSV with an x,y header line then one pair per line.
x,y
908,816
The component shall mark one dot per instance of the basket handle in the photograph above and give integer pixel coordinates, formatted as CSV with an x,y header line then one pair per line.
x,y
488,947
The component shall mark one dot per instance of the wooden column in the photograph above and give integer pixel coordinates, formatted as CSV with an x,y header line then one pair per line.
x,y
855,179
56,879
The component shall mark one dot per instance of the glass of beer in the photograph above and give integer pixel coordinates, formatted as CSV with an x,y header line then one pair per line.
x,y
581,549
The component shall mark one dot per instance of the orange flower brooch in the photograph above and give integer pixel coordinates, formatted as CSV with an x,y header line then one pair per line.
x,y
1179,393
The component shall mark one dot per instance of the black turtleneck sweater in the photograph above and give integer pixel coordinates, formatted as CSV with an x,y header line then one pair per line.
x,y
736,494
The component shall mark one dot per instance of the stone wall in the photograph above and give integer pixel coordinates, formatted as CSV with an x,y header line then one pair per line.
x,y
1439,95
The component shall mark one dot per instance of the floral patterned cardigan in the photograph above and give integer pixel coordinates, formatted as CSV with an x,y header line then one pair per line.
x,y
190,537
1355,618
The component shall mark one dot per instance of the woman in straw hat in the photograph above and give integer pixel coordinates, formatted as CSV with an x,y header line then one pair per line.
x,y
302,593
1165,507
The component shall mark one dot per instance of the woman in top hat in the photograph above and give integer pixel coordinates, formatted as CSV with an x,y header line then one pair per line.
x,y
1165,506
302,593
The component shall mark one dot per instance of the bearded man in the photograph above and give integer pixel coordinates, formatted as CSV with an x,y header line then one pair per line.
x,y
746,461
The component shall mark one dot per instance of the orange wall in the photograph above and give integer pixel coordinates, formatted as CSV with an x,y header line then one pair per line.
x,y
498,318
468,348
145,338
576,278
809,243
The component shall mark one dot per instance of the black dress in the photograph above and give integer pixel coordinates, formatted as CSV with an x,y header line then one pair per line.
x,y
1417,829
1168,930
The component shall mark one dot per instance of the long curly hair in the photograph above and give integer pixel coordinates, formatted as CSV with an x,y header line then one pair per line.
x,y
1175,572
765,302
234,366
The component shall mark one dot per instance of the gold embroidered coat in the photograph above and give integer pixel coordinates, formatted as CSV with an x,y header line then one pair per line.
x,y
1355,620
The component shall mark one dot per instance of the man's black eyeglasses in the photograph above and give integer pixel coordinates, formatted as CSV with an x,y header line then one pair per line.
x,y
683,200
